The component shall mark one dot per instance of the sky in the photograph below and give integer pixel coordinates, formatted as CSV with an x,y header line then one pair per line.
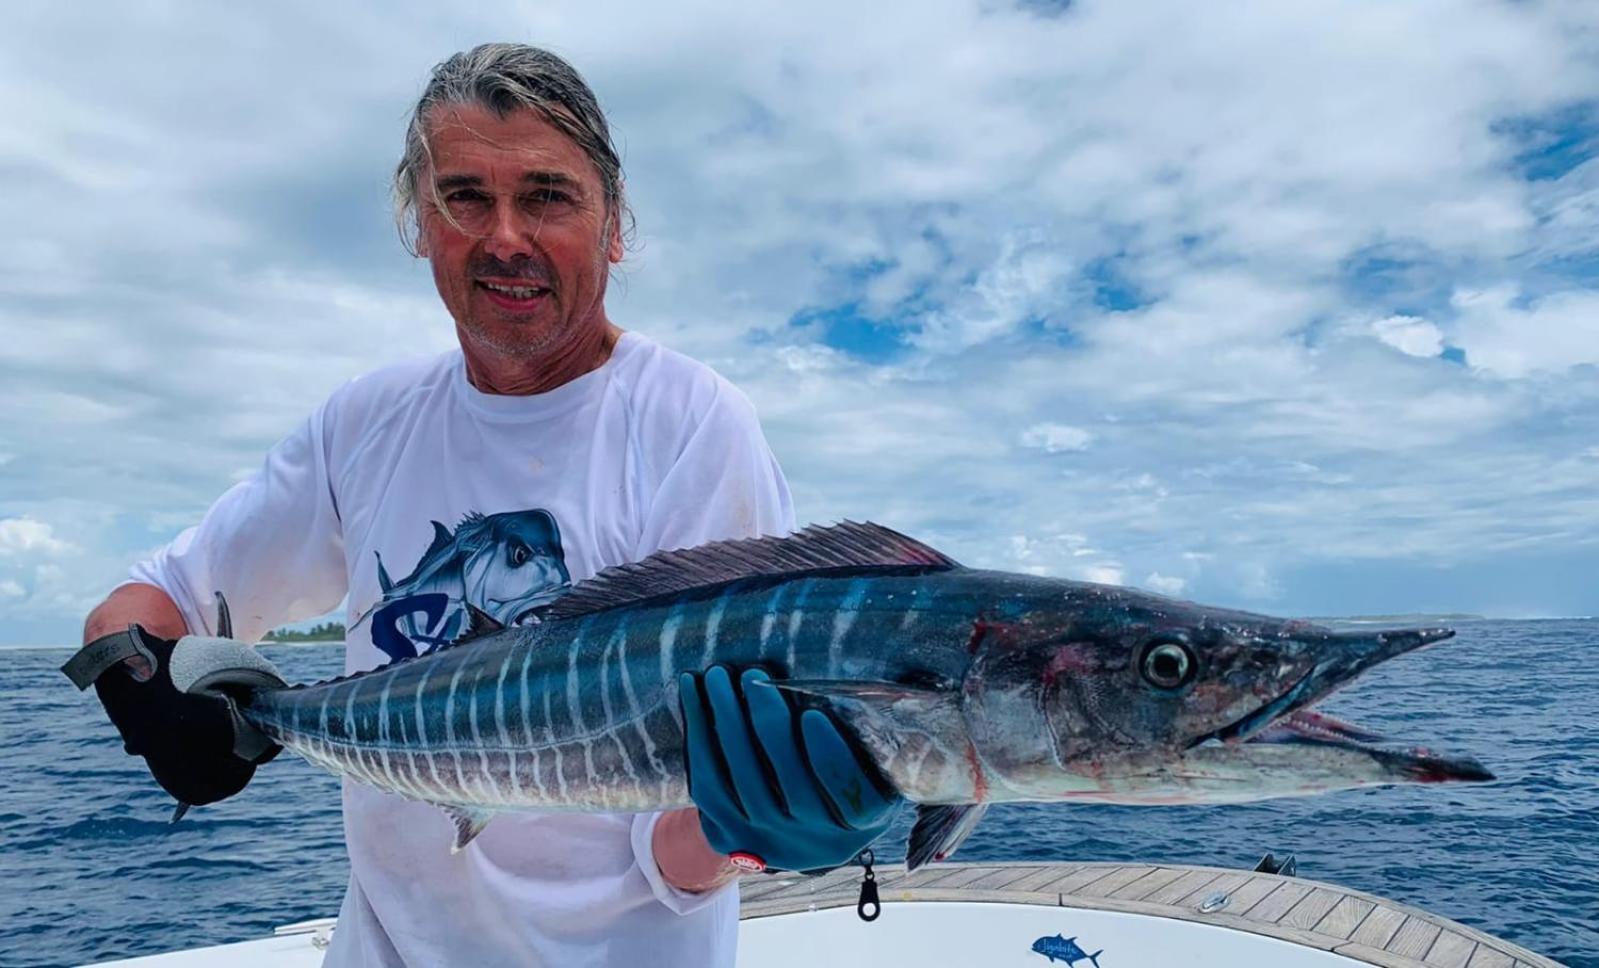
x,y
1285,306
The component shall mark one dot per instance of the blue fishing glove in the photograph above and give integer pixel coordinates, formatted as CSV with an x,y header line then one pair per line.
x,y
775,788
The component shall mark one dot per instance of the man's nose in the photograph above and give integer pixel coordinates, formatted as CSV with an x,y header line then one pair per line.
x,y
512,232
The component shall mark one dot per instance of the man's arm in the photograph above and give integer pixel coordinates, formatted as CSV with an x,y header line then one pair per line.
x,y
136,603
273,546
725,484
685,857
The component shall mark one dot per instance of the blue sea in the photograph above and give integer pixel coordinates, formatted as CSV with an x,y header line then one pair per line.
x,y
90,869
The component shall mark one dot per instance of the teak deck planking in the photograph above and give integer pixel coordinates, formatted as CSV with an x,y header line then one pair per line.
x,y
1356,925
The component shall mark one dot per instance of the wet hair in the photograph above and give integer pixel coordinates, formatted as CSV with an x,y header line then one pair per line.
x,y
505,78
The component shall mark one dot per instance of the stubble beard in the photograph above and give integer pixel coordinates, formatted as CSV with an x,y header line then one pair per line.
x,y
514,341
523,342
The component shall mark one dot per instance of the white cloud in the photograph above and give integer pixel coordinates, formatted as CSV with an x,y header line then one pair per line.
x,y
1410,335
1103,574
24,535
1165,584
995,202
1025,281
10,589
1061,553
1507,338
1053,438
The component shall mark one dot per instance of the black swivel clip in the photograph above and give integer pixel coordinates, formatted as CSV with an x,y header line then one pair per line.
x,y
868,907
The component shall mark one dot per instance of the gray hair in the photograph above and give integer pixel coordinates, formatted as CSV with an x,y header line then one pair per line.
x,y
504,78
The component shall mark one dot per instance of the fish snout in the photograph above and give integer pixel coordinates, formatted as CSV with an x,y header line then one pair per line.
x,y
1334,659
1404,640
1346,655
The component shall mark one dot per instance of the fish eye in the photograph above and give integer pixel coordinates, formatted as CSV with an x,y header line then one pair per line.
x,y
519,555
1167,664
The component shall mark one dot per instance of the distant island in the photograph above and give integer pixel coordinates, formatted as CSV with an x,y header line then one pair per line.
x,y
322,632
1413,618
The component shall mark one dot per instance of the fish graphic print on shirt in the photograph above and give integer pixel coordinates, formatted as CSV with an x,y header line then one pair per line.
x,y
504,564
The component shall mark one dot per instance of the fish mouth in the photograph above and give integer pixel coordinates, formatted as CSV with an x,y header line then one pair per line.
x,y
1247,727
1289,719
526,610
1416,764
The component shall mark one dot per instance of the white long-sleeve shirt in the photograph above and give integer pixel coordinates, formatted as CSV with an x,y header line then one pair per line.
x,y
414,492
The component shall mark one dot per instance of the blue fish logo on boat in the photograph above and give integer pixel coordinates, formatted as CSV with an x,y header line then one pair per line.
x,y
505,565
1060,948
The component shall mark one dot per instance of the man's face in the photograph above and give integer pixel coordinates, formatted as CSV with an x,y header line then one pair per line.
x,y
522,258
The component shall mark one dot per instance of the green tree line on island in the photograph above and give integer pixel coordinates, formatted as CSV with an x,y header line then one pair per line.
x,y
321,632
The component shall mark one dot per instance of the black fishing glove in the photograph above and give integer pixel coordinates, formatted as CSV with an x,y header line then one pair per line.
x,y
168,699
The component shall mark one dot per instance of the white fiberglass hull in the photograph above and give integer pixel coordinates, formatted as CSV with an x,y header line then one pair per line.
x,y
1033,915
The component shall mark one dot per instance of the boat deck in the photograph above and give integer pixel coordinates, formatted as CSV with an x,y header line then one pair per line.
x,y
1358,926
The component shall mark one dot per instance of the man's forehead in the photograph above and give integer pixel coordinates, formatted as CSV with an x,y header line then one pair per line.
x,y
464,139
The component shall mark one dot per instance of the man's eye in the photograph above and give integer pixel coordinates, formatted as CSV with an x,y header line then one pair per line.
x,y
465,197
547,196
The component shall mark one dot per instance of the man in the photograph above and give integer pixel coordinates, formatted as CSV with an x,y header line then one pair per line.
x,y
550,446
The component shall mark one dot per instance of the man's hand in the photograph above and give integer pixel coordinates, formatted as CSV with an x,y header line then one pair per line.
x,y
784,789
191,737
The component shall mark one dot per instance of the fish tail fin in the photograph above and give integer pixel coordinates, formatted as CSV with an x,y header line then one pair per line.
x,y
1095,957
384,581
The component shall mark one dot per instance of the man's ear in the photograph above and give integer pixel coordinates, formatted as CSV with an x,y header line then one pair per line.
x,y
613,246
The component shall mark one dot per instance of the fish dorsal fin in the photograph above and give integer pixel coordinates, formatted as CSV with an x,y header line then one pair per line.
x,y
478,624
384,581
439,553
849,545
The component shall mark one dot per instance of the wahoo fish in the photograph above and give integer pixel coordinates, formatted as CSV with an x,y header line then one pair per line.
x,y
962,687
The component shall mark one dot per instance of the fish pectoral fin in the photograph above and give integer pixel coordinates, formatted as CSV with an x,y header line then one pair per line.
x,y
879,711
468,824
939,830
867,691
876,709
883,718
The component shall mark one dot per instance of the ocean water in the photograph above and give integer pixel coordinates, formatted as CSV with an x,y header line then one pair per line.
x,y
91,870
